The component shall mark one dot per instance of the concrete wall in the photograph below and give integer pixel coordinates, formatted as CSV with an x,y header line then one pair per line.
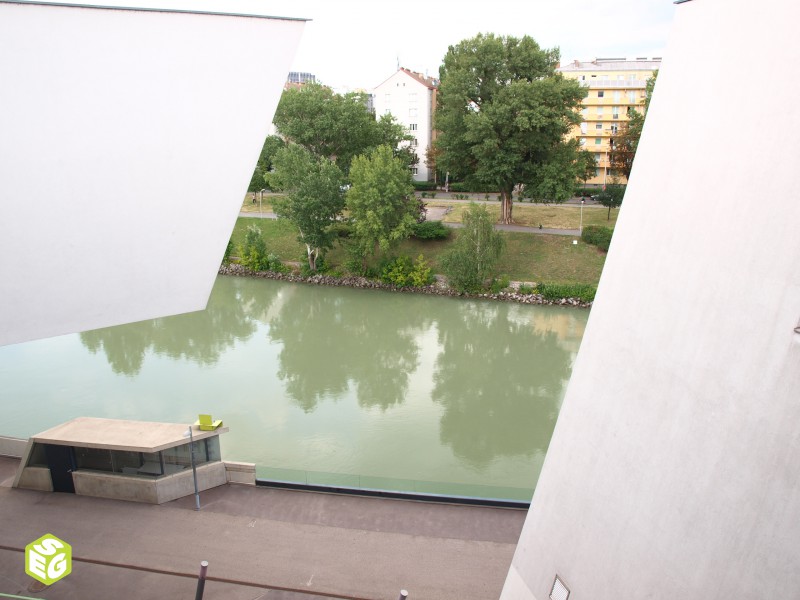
x,y
240,472
674,469
10,446
129,139
142,489
34,478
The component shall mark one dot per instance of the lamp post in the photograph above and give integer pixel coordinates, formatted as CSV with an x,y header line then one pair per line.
x,y
188,433
581,225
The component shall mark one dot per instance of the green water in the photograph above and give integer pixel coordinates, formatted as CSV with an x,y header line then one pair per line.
x,y
325,385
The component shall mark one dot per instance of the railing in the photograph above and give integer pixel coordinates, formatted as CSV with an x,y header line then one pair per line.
x,y
372,483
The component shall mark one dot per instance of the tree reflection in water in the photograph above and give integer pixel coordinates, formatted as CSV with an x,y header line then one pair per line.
x,y
500,383
331,340
201,336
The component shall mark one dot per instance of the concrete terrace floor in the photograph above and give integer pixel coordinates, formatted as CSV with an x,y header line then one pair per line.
x,y
260,543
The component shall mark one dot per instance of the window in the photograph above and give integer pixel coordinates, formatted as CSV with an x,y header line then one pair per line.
x,y
614,128
598,141
412,97
620,77
412,127
632,97
600,111
414,143
584,125
387,98
598,125
615,112
600,93
617,95
414,171
412,112
582,141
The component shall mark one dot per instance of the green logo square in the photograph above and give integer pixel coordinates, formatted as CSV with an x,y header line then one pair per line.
x,y
48,559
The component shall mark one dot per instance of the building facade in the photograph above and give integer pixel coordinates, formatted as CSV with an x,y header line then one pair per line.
x,y
615,86
411,99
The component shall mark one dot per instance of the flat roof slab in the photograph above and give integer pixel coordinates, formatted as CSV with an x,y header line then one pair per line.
x,y
118,434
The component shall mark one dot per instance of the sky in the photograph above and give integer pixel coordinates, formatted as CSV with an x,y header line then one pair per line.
x,y
357,44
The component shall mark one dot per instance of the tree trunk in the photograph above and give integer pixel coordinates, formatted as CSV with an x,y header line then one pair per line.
x,y
608,218
312,258
505,207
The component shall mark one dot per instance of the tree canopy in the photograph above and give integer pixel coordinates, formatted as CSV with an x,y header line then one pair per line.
x,y
625,143
471,259
381,203
314,199
503,113
334,126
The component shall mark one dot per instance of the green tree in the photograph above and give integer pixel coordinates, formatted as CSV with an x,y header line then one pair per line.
x,y
625,143
478,246
503,113
314,200
611,197
334,126
381,202
264,165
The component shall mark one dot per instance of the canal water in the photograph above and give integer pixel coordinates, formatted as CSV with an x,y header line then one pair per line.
x,y
324,385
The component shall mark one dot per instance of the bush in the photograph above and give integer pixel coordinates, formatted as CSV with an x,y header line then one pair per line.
x,y
500,283
402,272
431,230
341,229
597,236
226,258
524,288
253,251
463,186
556,291
424,185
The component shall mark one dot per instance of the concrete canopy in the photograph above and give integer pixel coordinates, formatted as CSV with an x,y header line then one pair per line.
x,y
129,138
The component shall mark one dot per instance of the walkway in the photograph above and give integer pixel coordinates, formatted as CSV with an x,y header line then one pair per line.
x,y
260,543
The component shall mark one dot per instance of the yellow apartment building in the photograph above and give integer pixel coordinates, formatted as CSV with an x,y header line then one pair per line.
x,y
615,85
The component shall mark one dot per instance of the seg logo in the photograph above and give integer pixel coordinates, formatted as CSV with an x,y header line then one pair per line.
x,y
48,559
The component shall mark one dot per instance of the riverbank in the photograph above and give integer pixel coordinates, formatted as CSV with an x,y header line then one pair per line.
x,y
437,289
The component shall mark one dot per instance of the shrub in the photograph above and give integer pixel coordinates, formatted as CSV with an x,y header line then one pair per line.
x,y
556,291
424,185
597,236
253,251
424,195
431,230
341,229
462,186
499,284
524,288
470,260
402,272
226,258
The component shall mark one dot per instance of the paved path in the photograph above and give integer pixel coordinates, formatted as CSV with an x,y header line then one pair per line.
x,y
260,543
437,213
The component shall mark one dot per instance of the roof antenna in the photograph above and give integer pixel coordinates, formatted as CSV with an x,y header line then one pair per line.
x,y
398,62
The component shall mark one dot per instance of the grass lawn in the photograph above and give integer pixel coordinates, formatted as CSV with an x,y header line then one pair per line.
x,y
248,206
551,216
527,256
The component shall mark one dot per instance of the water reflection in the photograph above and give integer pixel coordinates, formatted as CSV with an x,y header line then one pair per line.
x,y
500,381
331,342
201,337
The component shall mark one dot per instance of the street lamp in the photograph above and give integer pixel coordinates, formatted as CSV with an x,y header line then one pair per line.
x,y
188,433
581,226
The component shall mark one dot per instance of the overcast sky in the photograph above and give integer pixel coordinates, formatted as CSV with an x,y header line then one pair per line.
x,y
358,43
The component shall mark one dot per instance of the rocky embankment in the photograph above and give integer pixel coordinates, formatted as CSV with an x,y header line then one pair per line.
x,y
438,289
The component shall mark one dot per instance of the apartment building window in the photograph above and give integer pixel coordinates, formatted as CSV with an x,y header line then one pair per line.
x,y
597,172
600,112
414,171
614,128
584,125
620,77
412,112
585,112
387,98
632,97
617,95
598,125
598,141
412,97
600,93
582,141
615,112
414,143
412,127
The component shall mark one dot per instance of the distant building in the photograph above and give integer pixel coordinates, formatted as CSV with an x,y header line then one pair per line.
x,y
411,99
297,77
616,85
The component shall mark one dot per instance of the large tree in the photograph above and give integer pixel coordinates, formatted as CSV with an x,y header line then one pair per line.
x,y
503,113
335,126
259,179
381,202
314,200
625,143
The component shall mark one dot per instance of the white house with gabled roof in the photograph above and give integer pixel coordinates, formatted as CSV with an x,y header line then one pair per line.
x,y
410,98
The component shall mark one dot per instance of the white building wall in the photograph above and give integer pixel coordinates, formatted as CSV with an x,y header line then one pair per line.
x,y
128,140
409,102
674,469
